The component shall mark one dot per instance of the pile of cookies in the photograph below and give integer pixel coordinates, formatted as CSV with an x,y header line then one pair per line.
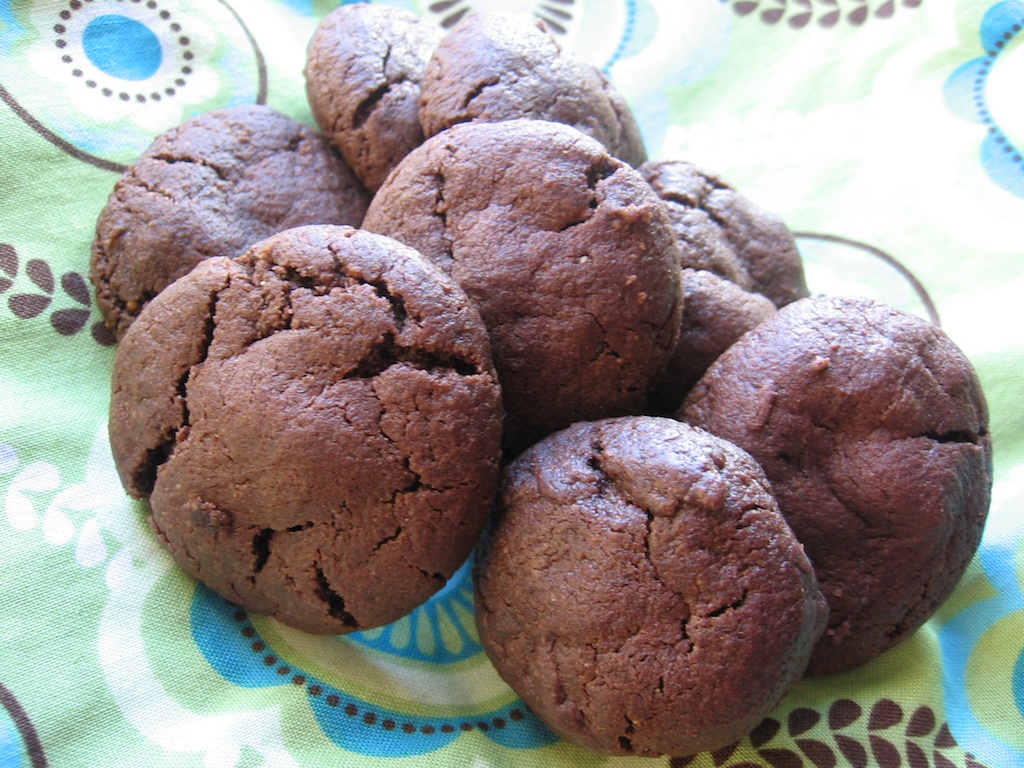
x,y
470,314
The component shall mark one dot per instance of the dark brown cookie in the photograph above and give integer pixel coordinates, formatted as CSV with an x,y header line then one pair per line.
x,y
641,591
566,251
873,429
716,312
364,66
494,67
213,186
315,425
724,232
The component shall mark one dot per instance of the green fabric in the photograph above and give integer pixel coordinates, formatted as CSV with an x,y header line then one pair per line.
x,y
881,131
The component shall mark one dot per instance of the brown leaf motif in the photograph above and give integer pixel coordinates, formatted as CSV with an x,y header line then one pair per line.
x,y
846,733
885,714
885,752
922,722
40,294
802,720
818,752
799,14
556,14
842,713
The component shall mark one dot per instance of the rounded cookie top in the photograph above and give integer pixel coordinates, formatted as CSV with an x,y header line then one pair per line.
x,y
315,426
724,232
213,186
494,67
364,65
716,312
566,251
640,590
873,430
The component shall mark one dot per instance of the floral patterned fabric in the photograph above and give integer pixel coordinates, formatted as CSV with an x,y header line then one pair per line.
x,y
887,133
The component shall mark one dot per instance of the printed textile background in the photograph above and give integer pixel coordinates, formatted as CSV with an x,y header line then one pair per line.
x,y
888,134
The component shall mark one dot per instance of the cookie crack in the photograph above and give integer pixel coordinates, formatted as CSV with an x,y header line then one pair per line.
x,y
415,484
297,279
598,172
594,462
735,605
606,349
441,214
625,742
735,242
388,353
956,436
400,312
144,479
365,107
437,576
155,189
261,549
681,199
397,303
388,539
335,602
595,173
475,93
170,159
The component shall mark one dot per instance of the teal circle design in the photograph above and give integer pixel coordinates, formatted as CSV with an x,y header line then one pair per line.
x,y
966,95
19,740
10,743
458,592
960,636
229,641
122,47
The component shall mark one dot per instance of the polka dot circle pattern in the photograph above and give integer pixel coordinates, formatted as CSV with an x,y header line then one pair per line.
x,y
118,49
970,92
100,78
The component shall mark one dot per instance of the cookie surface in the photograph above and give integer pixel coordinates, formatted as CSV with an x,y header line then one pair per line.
x,y
640,590
495,67
364,66
873,430
213,186
716,312
315,425
565,250
724,232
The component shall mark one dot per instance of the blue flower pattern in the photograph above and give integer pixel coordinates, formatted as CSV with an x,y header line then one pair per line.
x,y
967,93
236,649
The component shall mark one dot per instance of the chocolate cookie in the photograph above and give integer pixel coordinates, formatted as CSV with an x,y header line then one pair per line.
x,y
494,67
315,426
724,232
640,590
716,312
213,186
565,250
873,430
364,65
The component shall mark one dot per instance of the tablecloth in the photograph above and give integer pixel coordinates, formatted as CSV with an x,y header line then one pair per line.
x,y
889,136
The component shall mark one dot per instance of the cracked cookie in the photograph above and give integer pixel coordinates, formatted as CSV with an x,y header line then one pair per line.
x,y
873,430
716,312
495,67
213,186
364,65
724,232
315,426
640,590
567,253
